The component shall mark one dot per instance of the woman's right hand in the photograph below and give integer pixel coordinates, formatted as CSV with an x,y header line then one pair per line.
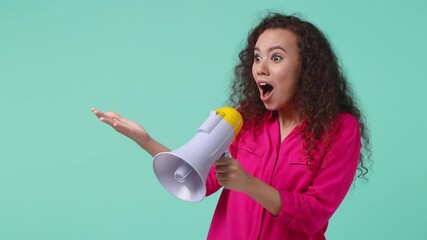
x,y
124,126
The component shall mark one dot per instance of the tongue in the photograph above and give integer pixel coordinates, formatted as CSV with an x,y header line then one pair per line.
x,y
267,90
266,93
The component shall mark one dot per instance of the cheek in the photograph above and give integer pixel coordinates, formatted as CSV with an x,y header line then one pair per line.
x,y
291,77
289,83
253,72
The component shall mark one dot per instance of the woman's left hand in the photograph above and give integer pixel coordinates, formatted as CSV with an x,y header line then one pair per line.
x,y
231,175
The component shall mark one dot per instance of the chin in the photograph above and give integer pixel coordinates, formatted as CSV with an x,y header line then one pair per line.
x,y
271,107
275,107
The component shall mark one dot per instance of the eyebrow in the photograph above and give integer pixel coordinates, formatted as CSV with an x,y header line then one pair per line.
x,y
271,49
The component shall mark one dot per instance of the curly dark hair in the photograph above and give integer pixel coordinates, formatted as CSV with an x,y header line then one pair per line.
x,y
322,93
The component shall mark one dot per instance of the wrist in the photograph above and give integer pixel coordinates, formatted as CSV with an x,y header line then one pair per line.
x,y
144,141
151,146
251,184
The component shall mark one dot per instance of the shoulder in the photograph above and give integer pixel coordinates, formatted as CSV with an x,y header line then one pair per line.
x,y
344,143
345,131
346,122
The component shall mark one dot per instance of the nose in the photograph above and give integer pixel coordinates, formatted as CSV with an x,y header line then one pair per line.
x,y
261,67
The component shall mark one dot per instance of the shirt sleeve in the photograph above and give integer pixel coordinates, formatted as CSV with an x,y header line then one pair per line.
x,y
309,211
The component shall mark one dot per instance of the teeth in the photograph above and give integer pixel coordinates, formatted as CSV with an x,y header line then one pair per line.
x,y
263,84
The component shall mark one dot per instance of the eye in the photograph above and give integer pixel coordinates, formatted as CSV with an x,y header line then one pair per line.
x,y
257,58
276,58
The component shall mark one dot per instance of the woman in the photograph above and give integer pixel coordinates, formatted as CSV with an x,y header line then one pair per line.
x,y
298,152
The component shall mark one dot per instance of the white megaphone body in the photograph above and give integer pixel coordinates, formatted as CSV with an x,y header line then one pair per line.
x,y
183,172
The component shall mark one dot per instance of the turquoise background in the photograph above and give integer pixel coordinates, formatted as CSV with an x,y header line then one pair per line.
x,y
167,64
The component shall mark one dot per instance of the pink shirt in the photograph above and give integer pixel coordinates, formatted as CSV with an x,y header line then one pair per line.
x,y
310,194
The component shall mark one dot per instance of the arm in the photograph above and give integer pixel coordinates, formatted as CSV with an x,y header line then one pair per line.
x,y
131,130
310,210
227,172
305,211
231,175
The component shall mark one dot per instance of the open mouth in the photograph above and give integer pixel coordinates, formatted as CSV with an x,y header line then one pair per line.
x,y
266,89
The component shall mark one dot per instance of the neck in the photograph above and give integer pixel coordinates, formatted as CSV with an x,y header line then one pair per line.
x,y
288,118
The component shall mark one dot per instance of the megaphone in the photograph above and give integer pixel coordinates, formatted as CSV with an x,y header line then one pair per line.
x,y
183,172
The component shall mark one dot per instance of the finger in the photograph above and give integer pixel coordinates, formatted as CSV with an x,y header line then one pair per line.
x,y
223,161
224,184
101,114
222,168
117,125
221,183
107,120
125,121
221,176
120,127
95,111
113,115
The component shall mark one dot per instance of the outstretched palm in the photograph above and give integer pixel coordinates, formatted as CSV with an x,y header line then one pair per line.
x,y
124,126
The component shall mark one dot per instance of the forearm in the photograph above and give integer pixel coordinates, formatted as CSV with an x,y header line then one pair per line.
x,y
152,146
265,195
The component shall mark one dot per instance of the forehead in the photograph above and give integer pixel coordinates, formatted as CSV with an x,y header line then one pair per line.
x,y
277,37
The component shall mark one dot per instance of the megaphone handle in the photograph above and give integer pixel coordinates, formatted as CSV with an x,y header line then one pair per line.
x,y
226,154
